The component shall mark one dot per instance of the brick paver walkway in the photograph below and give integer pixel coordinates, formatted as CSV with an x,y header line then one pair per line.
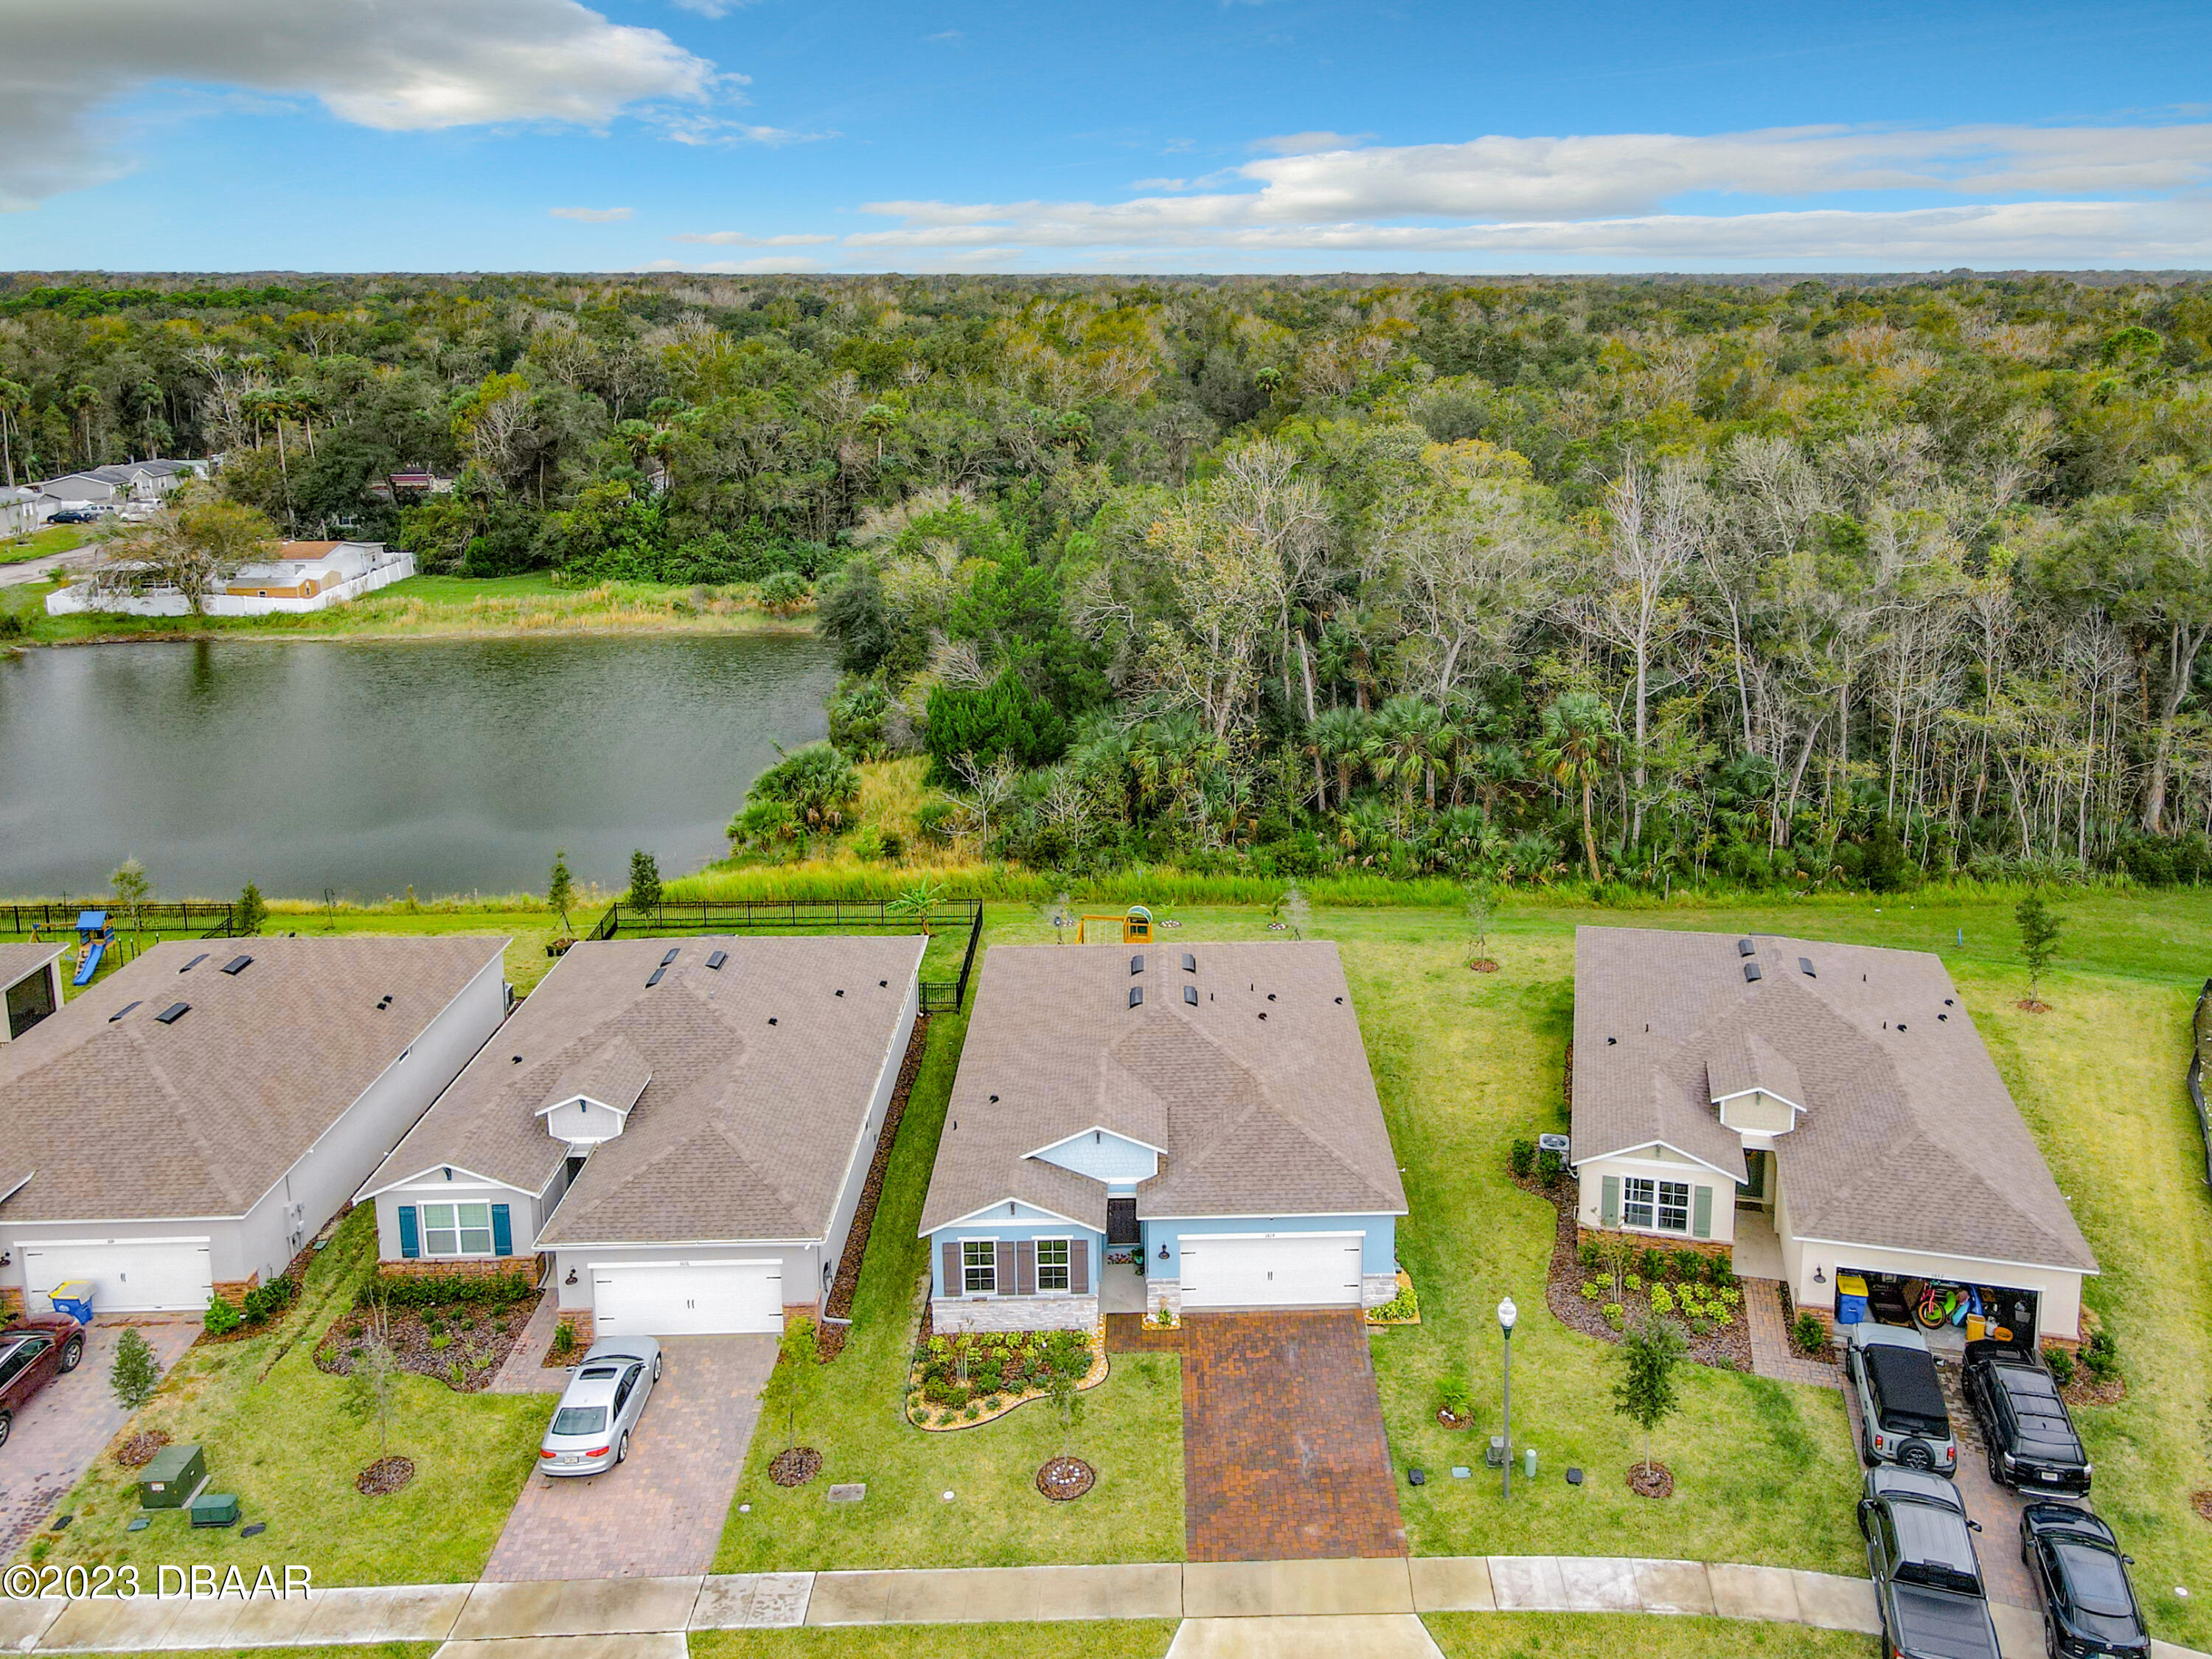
x,y
71,1421
1284,1453
660,1513
1771,1352
525,1370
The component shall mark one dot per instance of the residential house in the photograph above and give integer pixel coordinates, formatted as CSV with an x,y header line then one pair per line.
x,y
679,1129
22,510
1206,1109
305,576
1823,1110
188,1123
30,986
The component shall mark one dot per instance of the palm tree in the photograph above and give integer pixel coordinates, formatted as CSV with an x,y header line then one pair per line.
x,y
1339,736
1402,744
1578,742
15,404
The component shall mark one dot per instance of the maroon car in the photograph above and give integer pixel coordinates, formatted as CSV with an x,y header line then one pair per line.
x,y
32,1352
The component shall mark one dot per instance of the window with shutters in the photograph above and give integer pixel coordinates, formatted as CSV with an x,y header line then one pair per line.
x,y
1637,1198
1052,1264
1673,1207
979,1266
456,1230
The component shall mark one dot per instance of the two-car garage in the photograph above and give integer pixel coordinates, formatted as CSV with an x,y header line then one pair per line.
x,y
127,1275
686,1299
1270,1270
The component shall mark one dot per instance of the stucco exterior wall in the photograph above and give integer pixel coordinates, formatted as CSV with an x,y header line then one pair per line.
x,y
1378,1250
859,1155
1590,1199
1103,1155
524,1218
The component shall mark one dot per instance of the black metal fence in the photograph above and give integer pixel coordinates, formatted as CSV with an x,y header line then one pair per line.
x,y
938,996
58,919
2202,1033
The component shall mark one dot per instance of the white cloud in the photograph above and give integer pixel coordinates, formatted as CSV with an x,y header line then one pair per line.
x,y
593,215
690,127
1305,144
743,238
767,265
395,65
712,8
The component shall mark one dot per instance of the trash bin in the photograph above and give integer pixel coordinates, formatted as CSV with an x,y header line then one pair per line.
x,y
1850,1299
175,1473
74,1297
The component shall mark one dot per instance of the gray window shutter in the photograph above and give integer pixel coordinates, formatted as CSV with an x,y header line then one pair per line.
x,y
1701,1212
1025,1267
953,1280
1610,1202
1006,1256
1078,1267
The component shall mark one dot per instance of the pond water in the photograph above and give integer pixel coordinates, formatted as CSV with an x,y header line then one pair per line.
x,y
454,766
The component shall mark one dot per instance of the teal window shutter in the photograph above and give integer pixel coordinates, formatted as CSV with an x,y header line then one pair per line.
x,y
410,1242
502,1230
1701,1212
1609,1203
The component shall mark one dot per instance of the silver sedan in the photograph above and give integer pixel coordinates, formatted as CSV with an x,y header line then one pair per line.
x,y
600,1407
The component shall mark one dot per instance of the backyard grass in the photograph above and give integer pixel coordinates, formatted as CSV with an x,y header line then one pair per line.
x,y
54,539
275,1432
1629,1636
852,1412
1107,1638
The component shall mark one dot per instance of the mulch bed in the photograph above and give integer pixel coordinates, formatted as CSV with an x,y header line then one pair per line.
x,y
1727,1348
1484,966
1448,1421
794,1466
2202,1503
2030,1005
1064,1479
139,1449
2086,1390
1657,1482
384,1476
829,1340
479,1337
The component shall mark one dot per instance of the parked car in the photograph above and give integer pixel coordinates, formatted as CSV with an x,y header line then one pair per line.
x,y
75,515
600,1407
33,1351
1927,1578
1900,1401
2081,1581
2031,1439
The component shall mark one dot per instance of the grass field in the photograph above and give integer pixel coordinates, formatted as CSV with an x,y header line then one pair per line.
x,y
54,539
1630,1636
276,1433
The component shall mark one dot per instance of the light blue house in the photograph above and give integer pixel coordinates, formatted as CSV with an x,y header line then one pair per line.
x,y
1195,1126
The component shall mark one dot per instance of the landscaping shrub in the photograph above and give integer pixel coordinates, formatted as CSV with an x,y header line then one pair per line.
x,y
1807,1336
1404,1305
1589,1256
1614,1314
2101,1354
784,592
1653,1263
263,1301
1550,1166
1720,1269
222,1318
564,1340
2061,1362
445,1289
1523,1156
1688,1265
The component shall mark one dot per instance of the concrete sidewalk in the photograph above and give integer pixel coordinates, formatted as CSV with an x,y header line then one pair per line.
x,y
1243,1608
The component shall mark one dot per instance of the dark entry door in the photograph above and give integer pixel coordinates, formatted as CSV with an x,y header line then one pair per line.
x,y
1122,1222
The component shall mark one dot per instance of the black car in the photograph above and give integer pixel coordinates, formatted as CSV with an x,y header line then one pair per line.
x,y
75,515
1927,1578
2081,1580
2031,1439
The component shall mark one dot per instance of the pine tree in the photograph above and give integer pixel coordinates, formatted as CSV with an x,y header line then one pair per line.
x,y
251,914
561,889
2039,939
644,881
136,1373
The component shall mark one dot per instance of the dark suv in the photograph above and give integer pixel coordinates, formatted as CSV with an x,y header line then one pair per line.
x,y
32,1352
1901,1401
2032,1445
2081,1581
1927,1578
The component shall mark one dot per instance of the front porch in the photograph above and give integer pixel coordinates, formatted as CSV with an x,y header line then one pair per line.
x,y
1758,1250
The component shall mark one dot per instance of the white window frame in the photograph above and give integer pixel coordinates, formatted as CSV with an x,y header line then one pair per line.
x,y
1667,1207
456,1230
969,1267
1630,1203
1064,1267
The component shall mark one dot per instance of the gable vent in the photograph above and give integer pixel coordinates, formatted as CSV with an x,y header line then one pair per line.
x,y
1136,996
1190,963
1136,964
128,1006
1751,972
716,959
237,965
193,964
1744,947
1190,995
1805,967
173,1012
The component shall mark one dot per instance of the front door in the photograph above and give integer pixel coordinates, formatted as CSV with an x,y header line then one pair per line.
x,y
1752,1195
1122,1222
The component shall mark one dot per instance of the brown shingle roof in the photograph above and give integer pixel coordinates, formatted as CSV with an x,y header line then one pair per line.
x,y
131,1118
1272,1116
744,1130
1910,1139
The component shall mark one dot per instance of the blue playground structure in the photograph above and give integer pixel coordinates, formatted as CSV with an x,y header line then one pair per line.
x,y
94,936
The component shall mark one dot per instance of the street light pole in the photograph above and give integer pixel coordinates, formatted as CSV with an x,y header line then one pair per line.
x,y
1507,1313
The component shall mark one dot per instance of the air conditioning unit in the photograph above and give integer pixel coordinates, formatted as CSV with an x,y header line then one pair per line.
x,y
1552,1144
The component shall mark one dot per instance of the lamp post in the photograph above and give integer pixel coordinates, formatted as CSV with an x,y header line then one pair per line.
x,y
1507,1313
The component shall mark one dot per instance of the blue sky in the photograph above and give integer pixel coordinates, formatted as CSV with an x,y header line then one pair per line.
x,y
1297,135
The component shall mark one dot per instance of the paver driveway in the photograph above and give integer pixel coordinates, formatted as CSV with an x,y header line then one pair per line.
x,y
70,1421
1284,1454
659,1514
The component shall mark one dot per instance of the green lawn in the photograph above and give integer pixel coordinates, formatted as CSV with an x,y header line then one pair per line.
x,y
274,1434
851,1412
1630,1636
54,539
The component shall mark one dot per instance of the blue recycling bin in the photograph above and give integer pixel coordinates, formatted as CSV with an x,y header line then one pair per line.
x,y
1850,1299
74,1297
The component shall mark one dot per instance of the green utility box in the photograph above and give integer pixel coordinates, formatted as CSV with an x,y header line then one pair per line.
x,y
175,1473
213,1509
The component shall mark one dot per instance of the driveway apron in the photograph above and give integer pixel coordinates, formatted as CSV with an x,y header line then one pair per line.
x,y
1284,1454
659,1514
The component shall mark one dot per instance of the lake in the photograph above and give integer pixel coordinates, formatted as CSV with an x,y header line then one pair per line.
x,y
454,766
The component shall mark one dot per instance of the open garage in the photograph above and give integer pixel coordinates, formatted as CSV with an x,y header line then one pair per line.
x,y
686,1299
1270,1270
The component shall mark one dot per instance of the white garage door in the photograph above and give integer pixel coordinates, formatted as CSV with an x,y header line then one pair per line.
x,y
140,1275
686,1299
1270,1270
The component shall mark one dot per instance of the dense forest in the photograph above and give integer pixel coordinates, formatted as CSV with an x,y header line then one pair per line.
x,y
1635,582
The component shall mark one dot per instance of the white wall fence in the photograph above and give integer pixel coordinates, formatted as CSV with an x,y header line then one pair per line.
x,y
396,566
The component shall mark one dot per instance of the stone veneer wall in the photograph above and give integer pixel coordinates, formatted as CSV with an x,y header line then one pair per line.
x,y
477,1267
1375,1289
1013,1313
1668,1242
232,1291
11,1300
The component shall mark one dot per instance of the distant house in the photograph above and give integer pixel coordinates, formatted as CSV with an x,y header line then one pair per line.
x,y
305,576
189,1122
677,1129
414,485
30,986
22,510
1824,1110
1208,1108
119,483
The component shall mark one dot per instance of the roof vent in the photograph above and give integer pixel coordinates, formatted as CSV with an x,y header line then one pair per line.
x,y
384,1001
1263,1013
1939,1016
1744,947
1805,967
1136,964
1271,996
771,1019
518,1059
1751,972
173,1012
657,973
841,990
1609,1041
237,965
1136,996
193,964
1339,1001
883,984
716,958
1947,1002
1190,963
128,1006
1900,1025
1190,995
